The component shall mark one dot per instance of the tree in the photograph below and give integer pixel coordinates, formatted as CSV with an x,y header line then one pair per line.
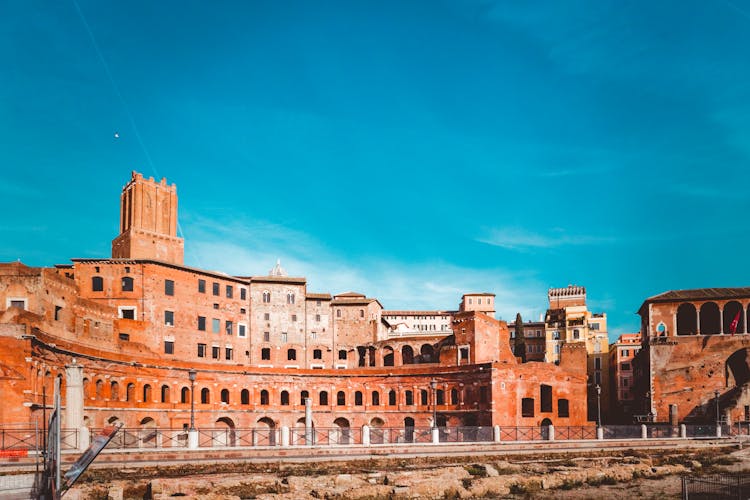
x,y
520,347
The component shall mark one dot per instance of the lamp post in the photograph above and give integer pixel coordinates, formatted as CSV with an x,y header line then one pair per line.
x,y
598,406
191,375
433,385
716,398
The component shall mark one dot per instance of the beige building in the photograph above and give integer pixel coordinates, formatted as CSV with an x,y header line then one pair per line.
x,y
621,355
568,321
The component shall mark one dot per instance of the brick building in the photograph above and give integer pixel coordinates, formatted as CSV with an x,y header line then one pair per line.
x,y
125,333
533,338
621,355
694,356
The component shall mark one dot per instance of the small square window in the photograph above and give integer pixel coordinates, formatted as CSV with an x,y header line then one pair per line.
x,y
265,354
294,318
228,353
266,336
342,354
201,286
230,291
215,325
169,318
202,323
317,317
283,336
215,288
317,354
229,327
201,350
168,287
266,317
243,293
124,337
168,347
241,330
215,351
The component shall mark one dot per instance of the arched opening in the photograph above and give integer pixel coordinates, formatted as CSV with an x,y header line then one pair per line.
x,y
225,396
184,395
299,435
130,392
407,355
388,356
265,434
264,397
205,396
426,352
224,434
361,356
99,389
147,393
375,398
112,420
734,318
341,432
454,396
323,398
245,397
710,319
147,434
377,435
285,398
114,391
737,369
341,398
409,397
371,355
391,398
409,430
687,320
302,397
165,394
545,428
358,398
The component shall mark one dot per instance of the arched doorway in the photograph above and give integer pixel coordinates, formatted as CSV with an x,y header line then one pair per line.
x,y
546,423
224,434
265,433
426,353
687,319
388,356
147,433
408,430
377,435
710,319
341,434
737,369
407,355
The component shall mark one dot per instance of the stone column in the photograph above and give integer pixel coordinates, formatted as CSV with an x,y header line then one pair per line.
x,y
284,436
308,422
551,433
721,320
698,320
74,400
683,431
644,431
435,435
673,415
365,435
600,433
496,433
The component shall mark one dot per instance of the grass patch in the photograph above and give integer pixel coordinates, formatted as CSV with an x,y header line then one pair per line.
x,y
476,470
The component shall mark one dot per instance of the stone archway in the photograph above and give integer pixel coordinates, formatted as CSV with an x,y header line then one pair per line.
x,y
734,314
407,355
409,430
224,433
377,433
148,433
265,433
687,319
737,369
710,319
341,434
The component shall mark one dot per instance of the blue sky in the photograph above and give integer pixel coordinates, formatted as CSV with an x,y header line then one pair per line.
x,y
412,151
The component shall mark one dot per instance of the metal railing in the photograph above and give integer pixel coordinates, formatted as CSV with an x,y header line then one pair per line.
x,y
716,486
224,437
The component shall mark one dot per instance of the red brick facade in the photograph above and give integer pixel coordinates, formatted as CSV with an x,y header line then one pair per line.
x,y
139,322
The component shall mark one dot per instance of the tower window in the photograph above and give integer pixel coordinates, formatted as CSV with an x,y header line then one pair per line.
x,y
201,286
168,287
97,284
215,288
127,284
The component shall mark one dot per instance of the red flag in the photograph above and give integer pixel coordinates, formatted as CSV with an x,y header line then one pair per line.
x,y
735,322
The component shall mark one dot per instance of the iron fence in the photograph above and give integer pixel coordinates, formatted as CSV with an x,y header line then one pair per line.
x,y
700,431
576,432
465,434
716,486
621,431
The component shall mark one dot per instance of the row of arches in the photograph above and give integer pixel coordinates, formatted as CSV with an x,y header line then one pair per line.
x,y
390,356
443,396
711,319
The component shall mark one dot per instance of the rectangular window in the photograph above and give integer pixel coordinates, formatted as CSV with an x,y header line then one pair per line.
x,y
546,397
283,336
127,313
202,323
597,363
527,407
317,354
317,317
598,378
265,354
201,286
57,313
168,347
201,350
168,287
266,317
243,293
125,337
169,318
229,327
294,318
342,355
229,291
215,351
626,367
563,409
215,325
241,330
228,353
215,288
266,336
625,353
313,335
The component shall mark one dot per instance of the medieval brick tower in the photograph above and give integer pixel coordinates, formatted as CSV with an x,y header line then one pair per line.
x,y
148,222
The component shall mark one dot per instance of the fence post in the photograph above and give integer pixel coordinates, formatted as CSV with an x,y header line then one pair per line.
x,y
551,432
600,433
365,435
193,439
683,431
435,435
718,430
496,433
284,436
644,431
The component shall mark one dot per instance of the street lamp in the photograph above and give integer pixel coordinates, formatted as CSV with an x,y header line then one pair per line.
x,y
598,406
716,397
433,385
191,375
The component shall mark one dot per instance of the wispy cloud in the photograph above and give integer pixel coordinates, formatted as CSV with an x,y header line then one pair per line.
x,y
251,247
518,239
